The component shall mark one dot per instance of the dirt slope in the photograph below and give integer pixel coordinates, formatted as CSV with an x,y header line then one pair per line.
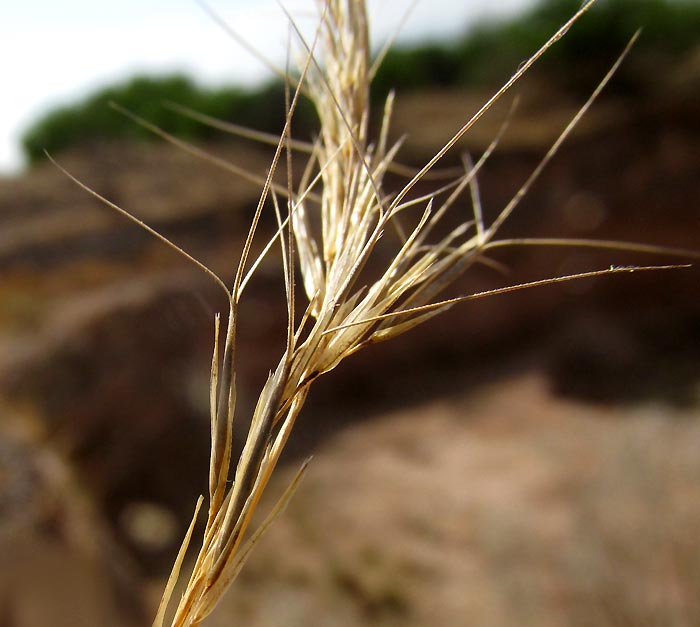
x,y
425,481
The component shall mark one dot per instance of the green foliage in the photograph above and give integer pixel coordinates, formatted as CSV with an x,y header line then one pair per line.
x,y
493,50
669,28
412,68
94,119
485,55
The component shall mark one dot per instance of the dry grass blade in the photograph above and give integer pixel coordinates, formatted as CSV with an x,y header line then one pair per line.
x,y
227,166
333,224
343,312
599,244
175,574
518,196
143,225
234,568
240,40
237,129
443,304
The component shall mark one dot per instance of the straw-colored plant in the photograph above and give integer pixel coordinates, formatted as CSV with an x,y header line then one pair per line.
x,y
330,225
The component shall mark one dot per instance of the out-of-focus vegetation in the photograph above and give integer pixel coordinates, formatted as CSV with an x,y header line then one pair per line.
x,y
484,55
493,50
94,119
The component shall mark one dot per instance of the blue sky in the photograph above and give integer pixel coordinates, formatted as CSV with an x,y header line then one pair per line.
x,y
53,52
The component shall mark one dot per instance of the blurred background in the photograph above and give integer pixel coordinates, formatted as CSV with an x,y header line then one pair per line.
x,y
523,459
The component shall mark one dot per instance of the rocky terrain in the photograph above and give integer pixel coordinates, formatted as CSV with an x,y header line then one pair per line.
x,y
502,465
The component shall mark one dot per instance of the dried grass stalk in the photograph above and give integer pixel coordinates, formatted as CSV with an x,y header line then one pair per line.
x,y
329,227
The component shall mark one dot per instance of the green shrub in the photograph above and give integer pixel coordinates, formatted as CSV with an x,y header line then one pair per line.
x,y
94,119
493,49
484,55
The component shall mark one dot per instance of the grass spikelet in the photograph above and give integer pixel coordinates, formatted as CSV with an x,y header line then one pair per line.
x,y
328,229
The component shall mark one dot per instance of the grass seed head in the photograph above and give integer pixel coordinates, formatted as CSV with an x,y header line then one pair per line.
x,y
329,230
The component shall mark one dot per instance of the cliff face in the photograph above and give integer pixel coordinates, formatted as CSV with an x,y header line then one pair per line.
x,y
105,334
